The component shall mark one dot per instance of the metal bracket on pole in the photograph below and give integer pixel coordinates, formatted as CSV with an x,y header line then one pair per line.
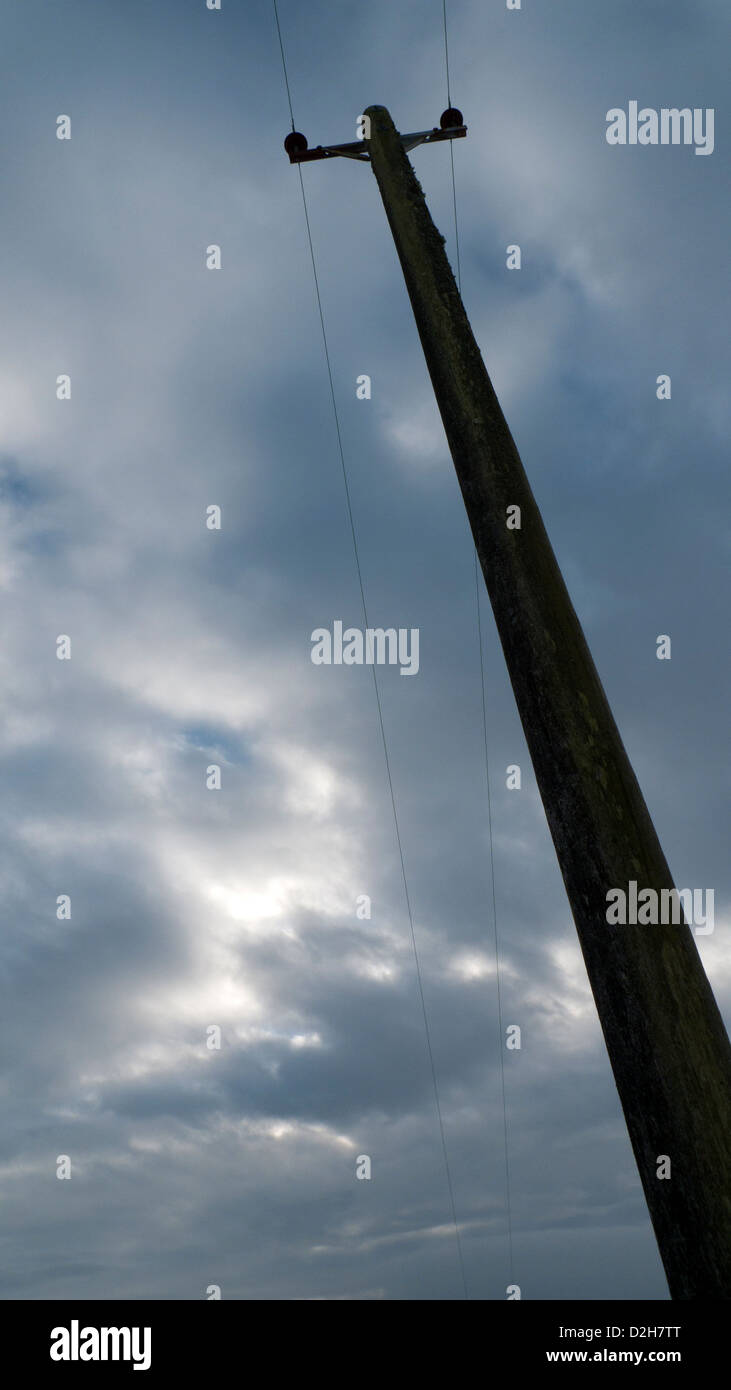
x,y
451,127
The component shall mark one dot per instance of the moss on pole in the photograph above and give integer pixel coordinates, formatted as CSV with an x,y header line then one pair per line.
x,y
666,1040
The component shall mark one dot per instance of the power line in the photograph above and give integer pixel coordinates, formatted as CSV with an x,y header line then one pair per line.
x,y
446,50
484,733
494,918
351,521
456,226
284,65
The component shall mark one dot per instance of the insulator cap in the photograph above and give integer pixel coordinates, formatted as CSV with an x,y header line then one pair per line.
x,y
295,143
451,117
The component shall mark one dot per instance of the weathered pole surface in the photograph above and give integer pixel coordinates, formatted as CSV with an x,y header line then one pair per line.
x,y
664,1034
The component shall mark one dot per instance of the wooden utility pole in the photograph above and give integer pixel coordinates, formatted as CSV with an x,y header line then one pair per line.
x,y
664,1034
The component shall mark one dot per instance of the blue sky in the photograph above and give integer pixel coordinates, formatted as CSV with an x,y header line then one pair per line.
x,y
237,907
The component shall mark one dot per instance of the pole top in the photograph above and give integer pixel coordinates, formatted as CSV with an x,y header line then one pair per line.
x,y
451,127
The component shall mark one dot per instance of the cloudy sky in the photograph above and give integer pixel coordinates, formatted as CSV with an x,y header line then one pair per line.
x,y
237,907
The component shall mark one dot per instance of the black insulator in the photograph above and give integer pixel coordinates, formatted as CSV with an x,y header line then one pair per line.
x,y
295,143
451,117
